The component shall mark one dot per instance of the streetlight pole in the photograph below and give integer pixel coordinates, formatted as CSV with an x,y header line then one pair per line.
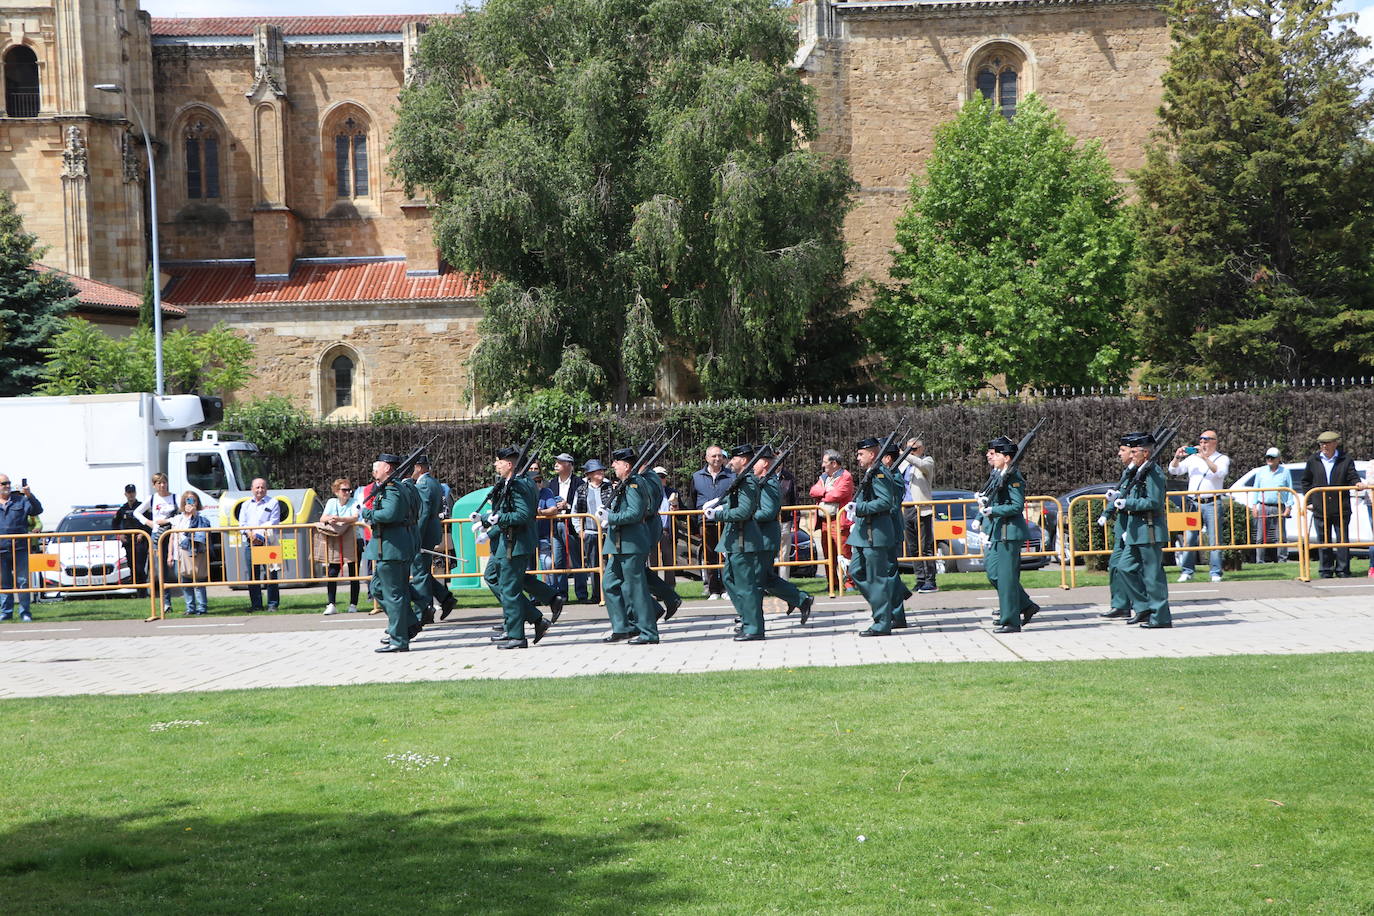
x,y
152,211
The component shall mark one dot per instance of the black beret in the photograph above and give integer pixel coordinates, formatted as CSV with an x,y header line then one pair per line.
x,y
743,450
870,442
390,458
423,461
1004,445
892,449
765,451
1126,438
1142,440
507,451
623,454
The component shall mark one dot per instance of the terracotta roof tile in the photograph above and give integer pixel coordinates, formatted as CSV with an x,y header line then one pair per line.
x,y
366,281
106,298
290,25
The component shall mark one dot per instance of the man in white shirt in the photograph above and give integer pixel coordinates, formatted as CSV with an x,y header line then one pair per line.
x,y
920,520
1206,469
255,513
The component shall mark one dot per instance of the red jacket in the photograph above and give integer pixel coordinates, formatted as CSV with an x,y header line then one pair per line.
x,y
837,491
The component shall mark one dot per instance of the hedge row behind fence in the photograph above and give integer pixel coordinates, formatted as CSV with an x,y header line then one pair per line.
x,y
1077,445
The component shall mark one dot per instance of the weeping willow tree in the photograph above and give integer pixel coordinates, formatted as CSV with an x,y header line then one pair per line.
x,y
630,178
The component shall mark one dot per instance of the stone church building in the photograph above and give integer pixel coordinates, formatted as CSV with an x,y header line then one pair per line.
x,y
276,213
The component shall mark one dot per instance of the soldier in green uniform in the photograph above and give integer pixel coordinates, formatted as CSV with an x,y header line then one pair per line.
x,y
1145,530
1005,530
896,480
874,539
429,528
392,517
626,547
539,591
511,527
653,500
769,519
1120,601
741,544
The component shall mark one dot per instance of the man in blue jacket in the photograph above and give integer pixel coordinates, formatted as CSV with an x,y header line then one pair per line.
x,y
15,511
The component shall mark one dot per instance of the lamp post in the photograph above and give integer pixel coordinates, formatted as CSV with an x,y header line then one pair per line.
x,y
152,211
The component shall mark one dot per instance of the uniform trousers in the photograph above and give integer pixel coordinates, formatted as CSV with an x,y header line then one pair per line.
x,y
1142,573
627,595
1003,564
874,571
505,576
741,575
1120,597
391,587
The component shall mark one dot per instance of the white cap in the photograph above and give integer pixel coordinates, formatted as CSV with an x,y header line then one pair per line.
x,y
661,471
1273,453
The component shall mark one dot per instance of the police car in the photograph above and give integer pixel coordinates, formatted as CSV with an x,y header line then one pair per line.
x,y
98,559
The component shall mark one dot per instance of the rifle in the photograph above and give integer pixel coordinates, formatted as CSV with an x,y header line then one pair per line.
x,y
776,466
617,491
739,478
1137,480
903,456
996,477
403,469
878,458
498,489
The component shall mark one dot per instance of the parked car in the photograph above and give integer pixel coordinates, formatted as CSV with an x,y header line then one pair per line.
x,y
100,559
1361,525
958,531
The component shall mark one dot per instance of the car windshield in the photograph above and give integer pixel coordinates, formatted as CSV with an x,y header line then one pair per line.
x,y
86,523
248,466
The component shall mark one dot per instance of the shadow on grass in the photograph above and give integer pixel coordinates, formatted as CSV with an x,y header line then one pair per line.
x,y
453,859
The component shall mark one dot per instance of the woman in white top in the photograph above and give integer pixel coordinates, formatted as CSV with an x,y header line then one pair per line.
x,y
156,513
342,511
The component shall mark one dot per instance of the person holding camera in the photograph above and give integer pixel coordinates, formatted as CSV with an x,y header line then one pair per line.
x,y
15,511
1206,469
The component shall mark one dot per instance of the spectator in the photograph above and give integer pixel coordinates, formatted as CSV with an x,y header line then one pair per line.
x,y
257,516
15,512
919,520
343,543
1366,485
1206,469
135,548
833,490
555,503
156,513
588,502
545,558
667,546
1330,467
710,483
787,484
1269,508
190,553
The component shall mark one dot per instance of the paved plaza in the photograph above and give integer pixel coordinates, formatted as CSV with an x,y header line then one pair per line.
x,y
228,653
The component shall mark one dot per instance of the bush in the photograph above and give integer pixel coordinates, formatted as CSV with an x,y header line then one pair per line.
x,y
391,415
278,427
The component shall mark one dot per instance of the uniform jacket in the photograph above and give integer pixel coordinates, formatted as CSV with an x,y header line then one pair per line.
x,y
1343,474
626,531
1145,518
392,517
430,524
741,533
874,507
1007,510
769,512
653,499
515,521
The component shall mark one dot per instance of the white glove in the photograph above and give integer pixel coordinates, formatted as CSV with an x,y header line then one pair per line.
x,y
1120,504
492,519
475,518
849,512
479,534
710,504
1102,520
603,516
710,512
1112,495
982,504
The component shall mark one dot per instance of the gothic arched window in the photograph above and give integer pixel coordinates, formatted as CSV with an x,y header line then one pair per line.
x,y
341,369
21,82
996,80
202,160
350,159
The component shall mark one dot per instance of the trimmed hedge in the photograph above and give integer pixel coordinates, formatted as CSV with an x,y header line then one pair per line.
x,y
1077,446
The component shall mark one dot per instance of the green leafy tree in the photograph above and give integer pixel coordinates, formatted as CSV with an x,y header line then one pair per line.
x,y
32,304
84,360
1256,213
1012,261
629,177
277,426
391,415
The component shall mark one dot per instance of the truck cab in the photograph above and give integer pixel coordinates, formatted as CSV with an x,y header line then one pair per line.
x,y
213,465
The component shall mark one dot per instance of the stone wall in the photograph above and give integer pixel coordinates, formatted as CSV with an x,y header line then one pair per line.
x,y
887,77
412,355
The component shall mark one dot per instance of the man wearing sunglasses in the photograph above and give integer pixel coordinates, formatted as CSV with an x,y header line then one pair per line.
x,y
15,511
1206,470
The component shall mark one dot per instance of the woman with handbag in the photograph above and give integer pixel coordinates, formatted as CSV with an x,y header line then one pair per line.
x,y
338,525
190,553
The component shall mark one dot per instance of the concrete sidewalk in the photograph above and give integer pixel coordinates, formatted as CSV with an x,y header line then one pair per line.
x,y
119,657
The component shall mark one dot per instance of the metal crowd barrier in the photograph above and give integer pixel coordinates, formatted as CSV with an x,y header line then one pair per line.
x,y
77,563
1316,504
963,524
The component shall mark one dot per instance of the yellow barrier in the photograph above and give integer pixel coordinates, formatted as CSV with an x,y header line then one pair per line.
x,y
962,524
77,563
1322,522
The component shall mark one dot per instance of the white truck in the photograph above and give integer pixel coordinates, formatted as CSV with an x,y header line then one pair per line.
x,y
82,450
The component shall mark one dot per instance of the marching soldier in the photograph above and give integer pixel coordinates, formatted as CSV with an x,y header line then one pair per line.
x,y
896,480
626,548
511,527
429,528
653,499
874,538
1120,600
742,544
539,591
768,516
1006,530
392,516
1145,530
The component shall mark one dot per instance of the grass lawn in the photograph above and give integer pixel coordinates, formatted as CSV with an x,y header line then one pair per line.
x,y
311,600
1214,785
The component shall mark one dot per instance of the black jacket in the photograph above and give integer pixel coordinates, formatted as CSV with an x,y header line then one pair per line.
x,y
1343,474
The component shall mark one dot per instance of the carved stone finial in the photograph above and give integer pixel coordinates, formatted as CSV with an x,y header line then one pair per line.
x,y
74,164
269,66
133,168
